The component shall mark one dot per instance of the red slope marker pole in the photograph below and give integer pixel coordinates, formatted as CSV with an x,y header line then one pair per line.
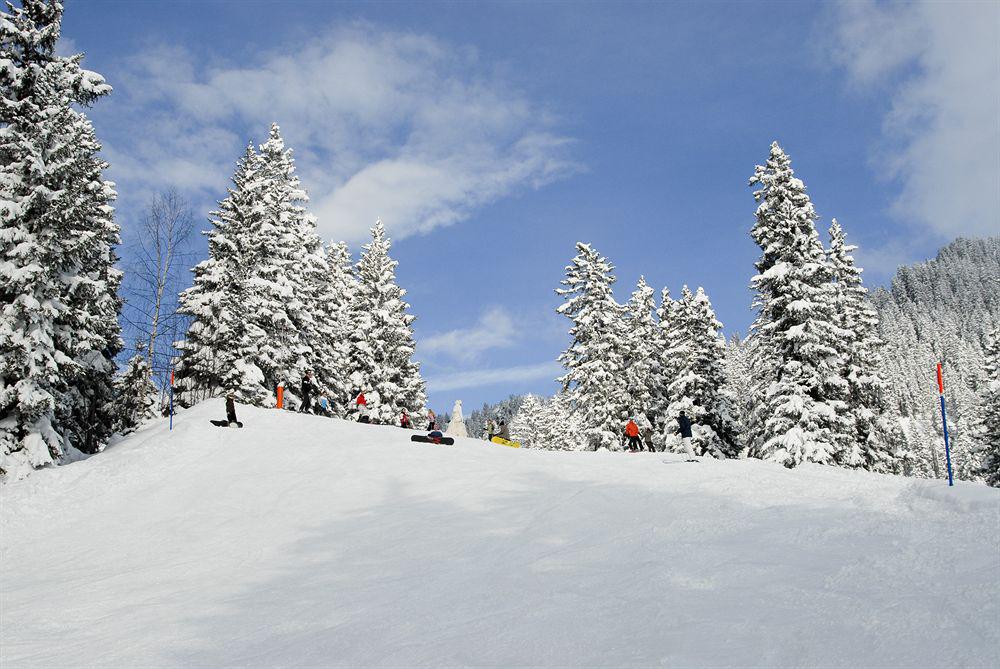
x,y
944,423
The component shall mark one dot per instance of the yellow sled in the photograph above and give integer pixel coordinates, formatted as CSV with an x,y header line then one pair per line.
x,y
504,442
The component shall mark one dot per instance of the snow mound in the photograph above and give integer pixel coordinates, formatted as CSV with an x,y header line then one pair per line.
x,y
305,541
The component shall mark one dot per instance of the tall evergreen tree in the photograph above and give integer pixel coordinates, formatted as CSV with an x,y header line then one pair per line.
x,y
802,414
989,415
382,343
136,396
219,352
641,337
697,388
872,443
525,426
666,366
58,294
595,360
335,327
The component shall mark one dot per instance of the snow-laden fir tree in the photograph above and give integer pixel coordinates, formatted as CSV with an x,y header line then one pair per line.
x,y
288,270
219,352
739,388
136,396
801,417
641,338
989,413
697,389
873,441
58,293
382,341
665,365
525,426
335,327
594,361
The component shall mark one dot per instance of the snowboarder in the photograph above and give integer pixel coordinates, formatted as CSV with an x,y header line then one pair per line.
x,y
404,421
504,431
632,432
685,425
308,387
491,429
230,413
431,420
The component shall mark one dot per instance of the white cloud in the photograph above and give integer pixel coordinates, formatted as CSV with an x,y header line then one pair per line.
x,y
389,124
486,377
940,64
494,329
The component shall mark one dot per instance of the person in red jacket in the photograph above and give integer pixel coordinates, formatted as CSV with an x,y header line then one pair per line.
x,y
404,421
362,406
632,432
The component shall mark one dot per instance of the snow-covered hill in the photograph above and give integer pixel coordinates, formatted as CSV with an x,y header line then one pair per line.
x,y
303,541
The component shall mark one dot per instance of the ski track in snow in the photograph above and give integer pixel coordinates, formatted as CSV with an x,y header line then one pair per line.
x,y
301,541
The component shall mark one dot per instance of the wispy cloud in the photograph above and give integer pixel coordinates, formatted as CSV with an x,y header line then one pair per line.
x,y
487,377
390,124
494,329
940,64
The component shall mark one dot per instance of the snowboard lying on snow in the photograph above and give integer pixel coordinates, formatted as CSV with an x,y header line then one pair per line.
x,y
448,441
505,442
225,423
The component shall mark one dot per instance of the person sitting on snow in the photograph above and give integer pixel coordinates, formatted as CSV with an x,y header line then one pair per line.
x,y
632,432
504,431
404,421
435,434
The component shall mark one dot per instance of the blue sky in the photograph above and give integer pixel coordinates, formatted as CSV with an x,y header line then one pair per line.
x,y
490,138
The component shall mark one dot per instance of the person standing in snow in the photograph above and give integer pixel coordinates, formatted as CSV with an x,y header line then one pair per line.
x,y
231,408
431,420
685,425
491,429
632,433
362,406
308,387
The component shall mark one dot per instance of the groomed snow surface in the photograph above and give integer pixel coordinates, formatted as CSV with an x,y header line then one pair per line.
x,y
305,541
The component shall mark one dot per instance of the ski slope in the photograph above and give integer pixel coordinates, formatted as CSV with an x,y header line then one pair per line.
x,y
301,541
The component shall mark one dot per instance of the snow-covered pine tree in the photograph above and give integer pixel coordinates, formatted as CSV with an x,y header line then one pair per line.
x,y
802,416
989,413
739,388
382,341
136,396
289,270
58,297
219,353
668,341
697,389
525,426
874,441
594,362
334,328
642,338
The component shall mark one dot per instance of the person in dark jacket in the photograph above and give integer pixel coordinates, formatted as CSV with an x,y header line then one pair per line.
x,y
684,423
308,388
231,408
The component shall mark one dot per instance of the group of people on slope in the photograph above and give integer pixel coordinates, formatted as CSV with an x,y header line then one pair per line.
x,y
405,422
495,430
635,443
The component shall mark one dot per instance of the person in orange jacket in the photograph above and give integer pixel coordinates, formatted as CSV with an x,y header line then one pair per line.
x,y
632,432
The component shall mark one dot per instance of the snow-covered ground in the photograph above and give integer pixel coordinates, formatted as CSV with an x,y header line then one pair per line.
x,y
303,541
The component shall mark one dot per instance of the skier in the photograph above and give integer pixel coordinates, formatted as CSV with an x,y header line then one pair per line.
x,y
685,424
308,386
404,421
632,432
431,420
362,406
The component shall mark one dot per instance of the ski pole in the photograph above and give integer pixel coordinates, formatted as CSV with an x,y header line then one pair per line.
x,y
171,398
944,424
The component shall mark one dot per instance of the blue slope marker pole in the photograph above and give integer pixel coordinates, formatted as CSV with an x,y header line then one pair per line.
x,y
944,423
172,400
